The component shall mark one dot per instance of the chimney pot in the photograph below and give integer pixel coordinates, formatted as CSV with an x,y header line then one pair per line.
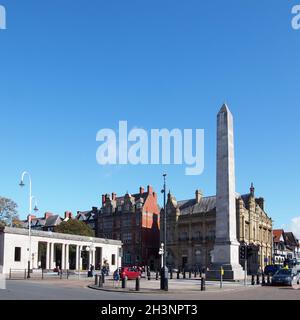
x,y
68,215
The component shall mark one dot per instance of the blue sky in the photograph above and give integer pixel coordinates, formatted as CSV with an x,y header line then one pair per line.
x,y
70,68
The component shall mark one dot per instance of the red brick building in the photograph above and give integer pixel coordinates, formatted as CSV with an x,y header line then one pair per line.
x,y
135,220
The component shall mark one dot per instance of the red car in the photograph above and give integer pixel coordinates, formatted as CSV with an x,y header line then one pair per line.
x,y
130,273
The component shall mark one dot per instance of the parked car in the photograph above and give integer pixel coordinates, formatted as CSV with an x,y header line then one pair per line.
x,y
270,270
286,277
130,273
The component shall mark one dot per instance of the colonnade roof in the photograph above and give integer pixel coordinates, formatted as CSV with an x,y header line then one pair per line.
x,y
59,236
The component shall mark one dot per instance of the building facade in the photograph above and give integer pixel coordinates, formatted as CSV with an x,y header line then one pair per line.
x,y
133,219
285,246
191,231
51,250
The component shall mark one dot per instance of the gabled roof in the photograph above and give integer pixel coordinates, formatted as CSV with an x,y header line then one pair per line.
x,y
85,215
53,221
278,235
40,222
290,239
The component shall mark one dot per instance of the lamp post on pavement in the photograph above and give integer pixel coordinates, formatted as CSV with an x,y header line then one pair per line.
x,y
22,184
164,270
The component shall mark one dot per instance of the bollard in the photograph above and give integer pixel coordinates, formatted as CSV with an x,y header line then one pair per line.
x,y
103,278
157,275
257,280
203,284
190,275
137,284
60,274
149,276
96,279
42,274
195,275
171,274
124,283
178,274
9,274
253,280
100,281
263,282
268,280
184,274
68,274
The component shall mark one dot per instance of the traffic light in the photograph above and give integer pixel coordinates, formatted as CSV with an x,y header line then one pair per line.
x,y
243,252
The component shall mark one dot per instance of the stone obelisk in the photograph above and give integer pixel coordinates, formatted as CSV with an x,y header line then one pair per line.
x,y
226,249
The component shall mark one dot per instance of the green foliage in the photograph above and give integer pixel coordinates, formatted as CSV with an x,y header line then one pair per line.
x,y
8,211
76,227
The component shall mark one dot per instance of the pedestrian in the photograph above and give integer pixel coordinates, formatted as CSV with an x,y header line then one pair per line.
x,y
116,277
107,269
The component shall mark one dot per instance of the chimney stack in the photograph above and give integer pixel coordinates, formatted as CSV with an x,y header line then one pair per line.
x,y
199,195
30,217
103,199
142,190
113,196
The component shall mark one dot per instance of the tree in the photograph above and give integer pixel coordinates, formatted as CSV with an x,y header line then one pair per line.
x,y
76,227
8,211
17,223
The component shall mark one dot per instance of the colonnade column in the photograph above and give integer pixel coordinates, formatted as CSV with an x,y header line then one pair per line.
x,y
80,258
67,256
47,255
77,258
63,257
51,265
94,258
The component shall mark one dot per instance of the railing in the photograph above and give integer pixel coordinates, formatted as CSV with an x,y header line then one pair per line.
x,y
17,274
41,274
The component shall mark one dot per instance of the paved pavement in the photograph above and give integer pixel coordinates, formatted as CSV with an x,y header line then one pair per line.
x,y
179,290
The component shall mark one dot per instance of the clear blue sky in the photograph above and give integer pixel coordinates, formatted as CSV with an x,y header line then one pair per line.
x,y
70,68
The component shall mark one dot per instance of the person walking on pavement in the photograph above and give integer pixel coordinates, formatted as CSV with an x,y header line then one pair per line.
x,y
116,277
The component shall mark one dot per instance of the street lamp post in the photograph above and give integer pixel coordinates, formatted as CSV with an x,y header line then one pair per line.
x,y
164,270
31,197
